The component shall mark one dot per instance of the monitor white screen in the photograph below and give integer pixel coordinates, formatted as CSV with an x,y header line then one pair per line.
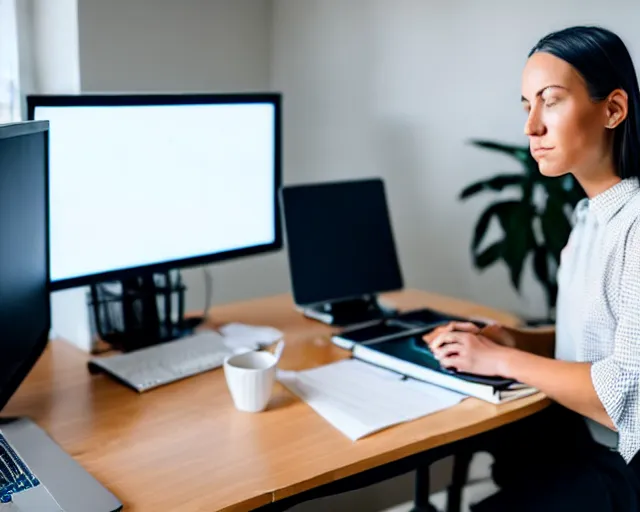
x,y
138,185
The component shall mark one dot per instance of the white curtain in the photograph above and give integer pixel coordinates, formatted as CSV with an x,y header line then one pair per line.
x,y
9,71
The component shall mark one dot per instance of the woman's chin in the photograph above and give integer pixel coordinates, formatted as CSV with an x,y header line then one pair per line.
x,y
549,170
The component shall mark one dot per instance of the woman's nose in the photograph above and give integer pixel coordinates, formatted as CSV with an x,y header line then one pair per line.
x,y
534,125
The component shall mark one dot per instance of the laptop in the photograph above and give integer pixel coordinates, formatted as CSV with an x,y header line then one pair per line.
x,y
36,475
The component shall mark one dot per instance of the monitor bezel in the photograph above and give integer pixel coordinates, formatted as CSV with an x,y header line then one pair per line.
x,y
167,99
12,130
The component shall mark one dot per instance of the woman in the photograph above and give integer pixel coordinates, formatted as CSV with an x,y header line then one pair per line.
x,y
580,93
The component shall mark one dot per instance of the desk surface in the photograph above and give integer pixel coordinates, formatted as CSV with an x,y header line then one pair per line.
x,y
185,447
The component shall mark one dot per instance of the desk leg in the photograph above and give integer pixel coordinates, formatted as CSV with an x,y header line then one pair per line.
x,y
461,462
421,501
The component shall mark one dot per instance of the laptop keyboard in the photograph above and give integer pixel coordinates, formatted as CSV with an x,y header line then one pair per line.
x,y
15,475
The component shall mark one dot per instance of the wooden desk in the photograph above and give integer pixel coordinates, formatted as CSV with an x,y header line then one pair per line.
x,y
184,447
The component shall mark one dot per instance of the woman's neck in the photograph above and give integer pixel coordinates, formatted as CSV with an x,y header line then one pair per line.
x,y
593,187
601,175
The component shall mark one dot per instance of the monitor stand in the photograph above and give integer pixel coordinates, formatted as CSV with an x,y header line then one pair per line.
x,y
349,312
60,483
146,309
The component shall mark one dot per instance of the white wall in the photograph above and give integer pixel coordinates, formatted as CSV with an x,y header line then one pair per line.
x,y
48,46
395,88
164,45
190,45
55,40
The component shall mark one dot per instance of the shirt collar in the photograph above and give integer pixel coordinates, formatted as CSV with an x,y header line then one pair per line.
x,y
606,204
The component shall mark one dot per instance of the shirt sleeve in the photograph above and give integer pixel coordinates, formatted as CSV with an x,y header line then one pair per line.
x,y
616,378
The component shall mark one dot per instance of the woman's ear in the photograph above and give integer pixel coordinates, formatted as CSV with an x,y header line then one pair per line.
x,y
616,108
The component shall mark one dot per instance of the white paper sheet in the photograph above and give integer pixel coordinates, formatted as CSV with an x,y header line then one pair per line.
x,y
359,399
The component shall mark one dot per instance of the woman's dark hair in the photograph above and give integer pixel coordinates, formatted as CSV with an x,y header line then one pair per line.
x,y
604,62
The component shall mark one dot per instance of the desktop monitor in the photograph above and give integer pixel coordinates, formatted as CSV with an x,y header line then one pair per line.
x,y
35,473
24,263
341,249
152,182
142,185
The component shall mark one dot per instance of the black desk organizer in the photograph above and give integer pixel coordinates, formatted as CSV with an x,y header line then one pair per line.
x,y
139,312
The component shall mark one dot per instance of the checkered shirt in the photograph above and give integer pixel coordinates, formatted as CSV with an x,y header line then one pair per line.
x,y
598,308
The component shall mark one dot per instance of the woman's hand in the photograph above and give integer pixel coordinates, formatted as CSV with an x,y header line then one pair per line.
x,y
494,332
464,347
431,336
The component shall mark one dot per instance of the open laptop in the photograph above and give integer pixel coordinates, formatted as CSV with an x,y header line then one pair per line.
x,y
36,475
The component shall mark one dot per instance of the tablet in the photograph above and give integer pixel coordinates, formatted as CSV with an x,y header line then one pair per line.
x,y
376,331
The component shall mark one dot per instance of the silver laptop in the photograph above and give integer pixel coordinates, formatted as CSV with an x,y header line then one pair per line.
x,y
36,475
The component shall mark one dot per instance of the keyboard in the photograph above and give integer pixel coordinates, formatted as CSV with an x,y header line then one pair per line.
x,y
15,475
154,366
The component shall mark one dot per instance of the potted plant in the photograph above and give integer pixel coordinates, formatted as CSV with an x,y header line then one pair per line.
x,y
535,225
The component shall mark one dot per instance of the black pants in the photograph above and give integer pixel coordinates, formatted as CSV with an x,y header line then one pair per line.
x,y
549,462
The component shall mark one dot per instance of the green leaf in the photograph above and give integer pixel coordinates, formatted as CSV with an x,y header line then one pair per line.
x,y
489,256
555,228
519,239
507,210
548,282
500,209
498,146
516,220
496,183
564,191
531,165
481,227
521,153
541,265
553,295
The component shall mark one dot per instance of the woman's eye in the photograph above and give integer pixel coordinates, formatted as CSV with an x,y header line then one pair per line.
x,y
550,103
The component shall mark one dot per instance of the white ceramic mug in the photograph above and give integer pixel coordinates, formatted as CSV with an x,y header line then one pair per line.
x,y
250,377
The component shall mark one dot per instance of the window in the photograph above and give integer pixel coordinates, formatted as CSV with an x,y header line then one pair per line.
x,y
9,90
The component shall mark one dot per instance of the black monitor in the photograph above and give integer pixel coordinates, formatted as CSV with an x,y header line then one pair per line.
x,y
149,182
341,249
35,473
145,184
25,317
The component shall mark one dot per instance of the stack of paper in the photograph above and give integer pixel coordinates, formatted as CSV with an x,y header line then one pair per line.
x,y
359,399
